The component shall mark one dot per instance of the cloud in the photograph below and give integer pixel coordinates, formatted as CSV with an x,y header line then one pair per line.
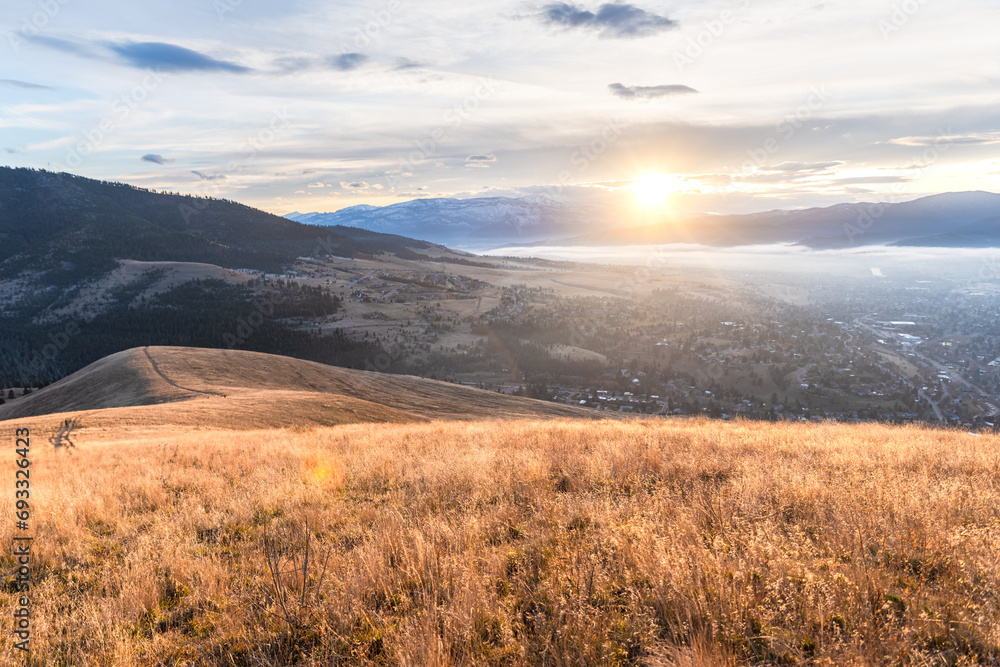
x,y
648,92
209,177
714,180
346,62
478,165
14,83
618,20
13,150
792,167
67,46
867,180
294,64
171,58
482,158
156,159
975,139
355,185
406,63
158,56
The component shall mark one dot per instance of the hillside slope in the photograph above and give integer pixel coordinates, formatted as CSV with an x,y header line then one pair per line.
x,y
74,228
237,389
62,232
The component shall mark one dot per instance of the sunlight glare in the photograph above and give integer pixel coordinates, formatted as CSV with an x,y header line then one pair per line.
x,y
653,190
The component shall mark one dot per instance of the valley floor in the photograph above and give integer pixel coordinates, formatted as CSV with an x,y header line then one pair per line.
x,y
515,543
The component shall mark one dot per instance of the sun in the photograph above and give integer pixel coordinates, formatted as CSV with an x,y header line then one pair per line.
x,y
653,190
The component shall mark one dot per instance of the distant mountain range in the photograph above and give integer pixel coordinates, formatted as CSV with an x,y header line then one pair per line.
x,y
473,223
963,219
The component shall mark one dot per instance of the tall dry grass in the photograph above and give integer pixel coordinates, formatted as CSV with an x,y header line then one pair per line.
x,y
523,543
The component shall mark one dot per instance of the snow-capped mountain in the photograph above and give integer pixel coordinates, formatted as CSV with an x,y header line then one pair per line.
x,y
473,223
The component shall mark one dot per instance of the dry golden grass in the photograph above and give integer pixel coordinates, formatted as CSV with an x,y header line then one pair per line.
x,y
521,543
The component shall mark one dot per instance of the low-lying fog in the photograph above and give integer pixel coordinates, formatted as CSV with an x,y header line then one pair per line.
x,y
960,264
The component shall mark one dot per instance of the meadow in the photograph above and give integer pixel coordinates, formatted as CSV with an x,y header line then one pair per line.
x,y
516,543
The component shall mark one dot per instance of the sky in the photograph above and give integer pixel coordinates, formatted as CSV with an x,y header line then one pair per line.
x,y
670,108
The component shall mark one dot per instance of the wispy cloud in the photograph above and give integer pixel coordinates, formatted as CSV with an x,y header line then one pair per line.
x,y
172,58
67,46
156,159
406,63
159,56
981,138
642,93
868,180
14,83
209,177
797,167
618,20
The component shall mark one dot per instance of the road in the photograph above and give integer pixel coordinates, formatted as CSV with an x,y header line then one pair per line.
x,y
364,277
802,372
934,406
991,408
987,402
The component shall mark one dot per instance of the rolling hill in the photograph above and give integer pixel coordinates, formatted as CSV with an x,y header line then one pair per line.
x,y
194,387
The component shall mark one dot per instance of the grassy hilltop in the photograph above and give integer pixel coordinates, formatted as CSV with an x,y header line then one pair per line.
x,y
522,541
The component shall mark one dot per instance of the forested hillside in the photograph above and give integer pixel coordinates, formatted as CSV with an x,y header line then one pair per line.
x,y
72,228
60,233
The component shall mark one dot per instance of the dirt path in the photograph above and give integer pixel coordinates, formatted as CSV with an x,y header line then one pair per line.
x,y
174,384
